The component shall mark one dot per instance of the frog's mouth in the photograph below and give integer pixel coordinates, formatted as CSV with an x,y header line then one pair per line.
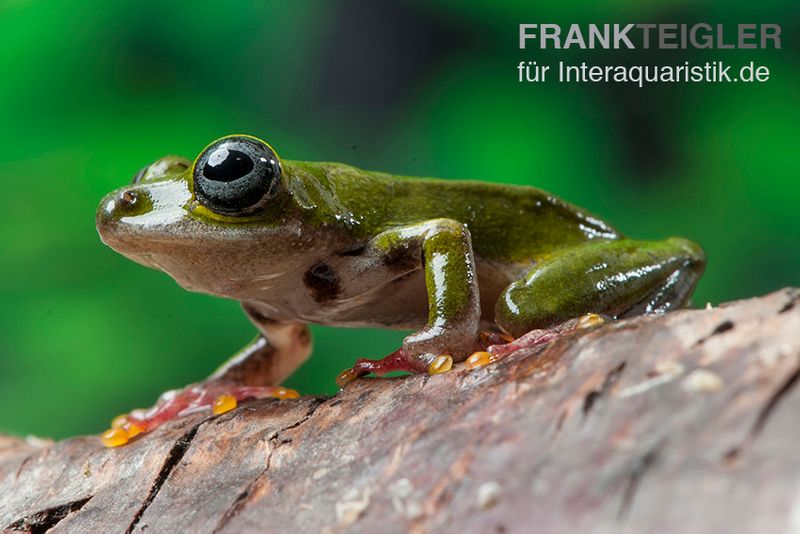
x,y
127,245
146,259
153,249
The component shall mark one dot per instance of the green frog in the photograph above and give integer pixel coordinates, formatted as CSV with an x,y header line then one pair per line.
x,y
300,242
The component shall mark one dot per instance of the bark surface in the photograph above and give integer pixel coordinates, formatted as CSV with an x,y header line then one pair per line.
x,y
685,422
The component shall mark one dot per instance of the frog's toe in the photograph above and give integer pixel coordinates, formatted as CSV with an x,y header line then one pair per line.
x,y
590,320
399,360
532,339
479,359
486,340
541,336
212,397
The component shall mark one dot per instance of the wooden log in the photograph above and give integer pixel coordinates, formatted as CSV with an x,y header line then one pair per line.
x,y
684,422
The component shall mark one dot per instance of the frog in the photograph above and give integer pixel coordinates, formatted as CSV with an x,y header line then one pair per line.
x,y
465,265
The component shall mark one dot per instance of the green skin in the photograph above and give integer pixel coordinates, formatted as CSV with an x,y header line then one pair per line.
x,y
337,245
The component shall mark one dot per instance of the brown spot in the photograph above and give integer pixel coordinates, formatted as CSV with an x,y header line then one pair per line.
x,y
401,258
358,251
610,381
731,457
721,328
303,335
322,281
257,316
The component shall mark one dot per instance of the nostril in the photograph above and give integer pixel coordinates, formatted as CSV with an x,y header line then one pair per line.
x,y
128,198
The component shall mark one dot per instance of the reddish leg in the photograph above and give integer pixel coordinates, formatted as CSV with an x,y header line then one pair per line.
x,y
493,347
211,397
496,351
396,361
250,374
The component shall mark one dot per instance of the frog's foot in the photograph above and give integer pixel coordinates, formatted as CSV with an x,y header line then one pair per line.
x,y
213,397
496,351
399,360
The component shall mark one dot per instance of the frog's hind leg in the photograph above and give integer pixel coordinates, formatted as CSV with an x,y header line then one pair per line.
x,y
253,372
612,278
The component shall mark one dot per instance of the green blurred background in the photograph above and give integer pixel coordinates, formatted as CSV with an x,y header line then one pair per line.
x,y
91,91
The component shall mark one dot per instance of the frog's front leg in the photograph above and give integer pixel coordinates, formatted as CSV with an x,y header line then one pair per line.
x,y
253,372
444,249
268,360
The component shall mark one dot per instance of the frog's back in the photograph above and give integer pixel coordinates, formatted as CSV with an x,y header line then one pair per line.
x,y
508,223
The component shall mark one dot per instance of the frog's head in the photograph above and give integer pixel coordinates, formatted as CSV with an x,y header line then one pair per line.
x,y
210,224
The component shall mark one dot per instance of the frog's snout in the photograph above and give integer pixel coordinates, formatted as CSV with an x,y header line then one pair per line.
x,y
127,202
124,202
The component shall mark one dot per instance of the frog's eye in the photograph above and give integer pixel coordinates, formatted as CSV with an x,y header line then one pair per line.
x,y
139,175
236,176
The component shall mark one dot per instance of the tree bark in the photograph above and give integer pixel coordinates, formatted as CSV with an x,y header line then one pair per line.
x,y
686,422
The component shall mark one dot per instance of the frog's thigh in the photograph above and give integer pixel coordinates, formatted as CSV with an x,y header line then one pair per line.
x,y
271,357
617,278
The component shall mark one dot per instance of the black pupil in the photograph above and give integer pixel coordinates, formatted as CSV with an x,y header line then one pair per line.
x,y
227,165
